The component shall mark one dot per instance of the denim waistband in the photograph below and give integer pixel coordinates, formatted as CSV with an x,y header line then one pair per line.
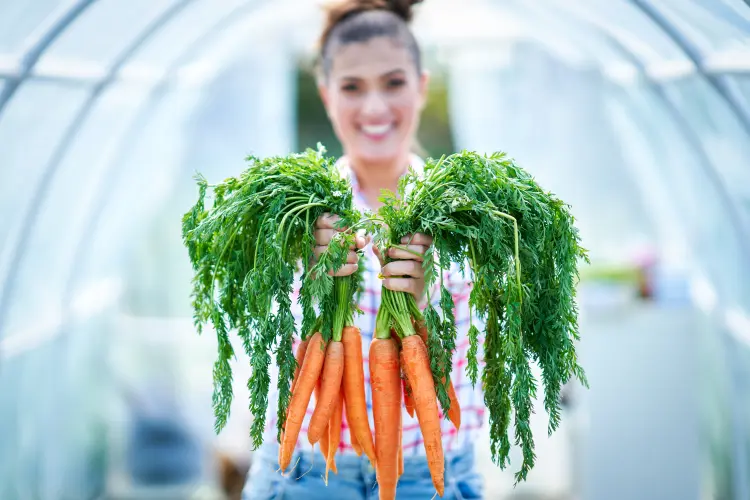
x,y
457,463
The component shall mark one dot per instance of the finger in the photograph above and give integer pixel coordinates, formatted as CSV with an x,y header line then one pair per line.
x,y
397,253
418,239
376,251
345,270
403,268
317,251
327,221
361,241
324,236
400,284
351,257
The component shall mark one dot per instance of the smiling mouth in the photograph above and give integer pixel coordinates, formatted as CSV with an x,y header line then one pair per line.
x,y
377,130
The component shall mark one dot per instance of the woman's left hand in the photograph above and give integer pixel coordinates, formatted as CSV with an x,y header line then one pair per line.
x,y
404,273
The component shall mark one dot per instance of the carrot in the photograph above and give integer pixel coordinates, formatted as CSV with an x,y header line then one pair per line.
x,y
417,366
454,412
324,438
400,451
308,376
352,436
324,441
330,391
408,398
406,390
355,444
334,433
354,391
386,407
300,358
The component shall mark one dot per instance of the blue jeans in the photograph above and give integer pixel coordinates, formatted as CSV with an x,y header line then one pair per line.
x,y
356,478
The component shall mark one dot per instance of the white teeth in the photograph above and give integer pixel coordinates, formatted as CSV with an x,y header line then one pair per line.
x,y
376,129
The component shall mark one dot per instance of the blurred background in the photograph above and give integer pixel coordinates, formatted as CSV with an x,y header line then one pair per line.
x,y
636,112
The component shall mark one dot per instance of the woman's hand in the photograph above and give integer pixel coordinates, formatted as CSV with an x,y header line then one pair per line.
x,y
324,232
405,273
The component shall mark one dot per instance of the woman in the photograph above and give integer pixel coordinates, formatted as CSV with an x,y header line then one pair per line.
x,y
373,87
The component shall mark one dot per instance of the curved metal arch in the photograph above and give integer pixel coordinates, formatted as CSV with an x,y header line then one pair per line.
x,y
235,15
691,137
741,459
726,13
64,143
727,93
40,46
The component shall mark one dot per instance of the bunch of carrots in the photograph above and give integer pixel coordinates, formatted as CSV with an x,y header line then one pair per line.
x,y
245,250
485,214
334,372
519,245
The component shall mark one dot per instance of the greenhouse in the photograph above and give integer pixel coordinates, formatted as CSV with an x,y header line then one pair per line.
x,y
636,113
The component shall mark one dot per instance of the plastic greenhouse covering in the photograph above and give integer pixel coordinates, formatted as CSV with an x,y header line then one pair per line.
x,y
636,112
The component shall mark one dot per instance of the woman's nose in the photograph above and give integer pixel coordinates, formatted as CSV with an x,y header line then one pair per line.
x,y
374,104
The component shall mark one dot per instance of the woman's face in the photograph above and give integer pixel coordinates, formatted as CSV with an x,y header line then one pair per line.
x,y
374,96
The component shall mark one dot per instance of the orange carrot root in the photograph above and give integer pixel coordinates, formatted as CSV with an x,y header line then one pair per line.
x,y
324,439
334,433
300,358
308,377
417,366
386,406
400,450
352,436
354,391
454,412
408,397
330,391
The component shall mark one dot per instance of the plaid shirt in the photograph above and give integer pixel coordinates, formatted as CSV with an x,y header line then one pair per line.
x,y
470,398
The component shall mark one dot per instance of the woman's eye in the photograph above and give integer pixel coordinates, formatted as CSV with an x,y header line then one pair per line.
x,y
395,83
349,87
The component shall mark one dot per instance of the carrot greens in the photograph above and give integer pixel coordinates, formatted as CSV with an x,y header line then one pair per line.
x,y
245,250
250,238
519,245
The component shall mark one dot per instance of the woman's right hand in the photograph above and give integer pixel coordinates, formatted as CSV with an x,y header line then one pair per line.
x,y
324,232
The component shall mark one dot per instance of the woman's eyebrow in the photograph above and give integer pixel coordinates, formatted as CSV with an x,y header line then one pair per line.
x,y
394,72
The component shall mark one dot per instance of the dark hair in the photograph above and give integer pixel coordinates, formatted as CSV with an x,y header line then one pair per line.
x,y
351,21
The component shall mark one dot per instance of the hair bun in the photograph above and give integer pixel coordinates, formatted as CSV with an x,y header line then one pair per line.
x,y
337,11
403,8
